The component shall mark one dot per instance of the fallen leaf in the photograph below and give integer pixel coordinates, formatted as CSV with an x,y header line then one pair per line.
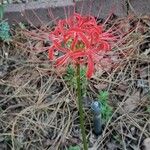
x,y
101,86
131,103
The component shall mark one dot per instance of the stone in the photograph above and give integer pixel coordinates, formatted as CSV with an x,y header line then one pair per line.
x,y
101,8
38,13
139,7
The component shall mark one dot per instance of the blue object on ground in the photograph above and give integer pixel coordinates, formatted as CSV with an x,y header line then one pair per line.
x,y
97,120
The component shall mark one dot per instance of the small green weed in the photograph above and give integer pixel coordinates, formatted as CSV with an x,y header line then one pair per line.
x,y
74,148
4,31
4,26
106,109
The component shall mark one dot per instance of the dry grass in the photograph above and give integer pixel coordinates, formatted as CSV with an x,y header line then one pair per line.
x,y
38,111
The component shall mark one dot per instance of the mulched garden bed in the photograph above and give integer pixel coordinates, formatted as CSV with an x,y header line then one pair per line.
x,y
38,108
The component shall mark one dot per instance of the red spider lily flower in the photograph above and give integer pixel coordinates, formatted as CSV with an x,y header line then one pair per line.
x,y
81,40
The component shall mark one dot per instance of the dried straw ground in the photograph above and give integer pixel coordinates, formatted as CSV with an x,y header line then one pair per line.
x,y
38,110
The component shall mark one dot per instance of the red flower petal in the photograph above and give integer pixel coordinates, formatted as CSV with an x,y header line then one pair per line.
x,y
82,29
74,42
59,47
62,60
75,30
78,54
90,67
104,46
84,39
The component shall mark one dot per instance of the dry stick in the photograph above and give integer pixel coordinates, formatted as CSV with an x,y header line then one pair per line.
x,y
80,107
123,138
142,134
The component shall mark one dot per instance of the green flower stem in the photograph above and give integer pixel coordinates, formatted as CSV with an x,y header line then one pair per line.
x,y
80,105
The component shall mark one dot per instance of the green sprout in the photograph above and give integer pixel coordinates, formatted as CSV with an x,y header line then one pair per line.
x,y
106,109
74,148
70,78
4,31
4,26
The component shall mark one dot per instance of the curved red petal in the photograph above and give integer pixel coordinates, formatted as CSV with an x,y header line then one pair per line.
x,y
59,47
61,25
62,60
78,54
84,29
90,67
104,46
67,37
75,30
74,42
84,39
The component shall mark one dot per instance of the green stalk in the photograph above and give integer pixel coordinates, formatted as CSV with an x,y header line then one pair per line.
x,y
80,105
